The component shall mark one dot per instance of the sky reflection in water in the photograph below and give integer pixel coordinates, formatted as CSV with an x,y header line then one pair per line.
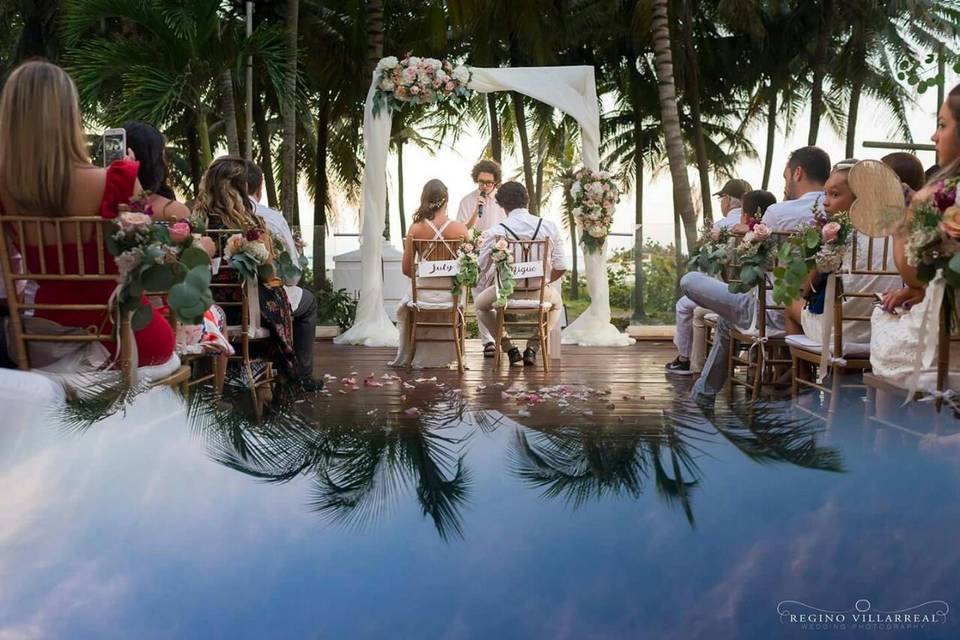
x,y
205,522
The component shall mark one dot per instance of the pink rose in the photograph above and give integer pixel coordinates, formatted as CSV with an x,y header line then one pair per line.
x,y
502,244
133,221
179,231
467,247
950,223
450,86
715,234
207,244
761,232
830,231
415,89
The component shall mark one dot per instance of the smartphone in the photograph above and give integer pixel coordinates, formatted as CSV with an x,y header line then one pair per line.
x,y
114,146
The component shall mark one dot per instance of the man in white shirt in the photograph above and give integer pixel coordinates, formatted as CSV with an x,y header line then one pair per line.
x,y
302,301
805,174
520,224
731,196
479,210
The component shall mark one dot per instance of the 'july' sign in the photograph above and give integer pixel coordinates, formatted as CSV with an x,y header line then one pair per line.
x,y
438,268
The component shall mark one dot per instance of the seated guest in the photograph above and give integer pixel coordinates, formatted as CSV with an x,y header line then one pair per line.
x,y
148,147
520,225
45,171
730,206
430,222
805,174
755,205
908,167
806,315
896,326
302,301
225,204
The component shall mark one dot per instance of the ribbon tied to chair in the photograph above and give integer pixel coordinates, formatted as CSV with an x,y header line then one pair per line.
x,y
929,323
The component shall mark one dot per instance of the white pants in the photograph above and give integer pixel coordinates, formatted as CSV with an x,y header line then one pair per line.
x,y
487,316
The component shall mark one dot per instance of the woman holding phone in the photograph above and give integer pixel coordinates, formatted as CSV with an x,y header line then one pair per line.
x,y
45,171
147,146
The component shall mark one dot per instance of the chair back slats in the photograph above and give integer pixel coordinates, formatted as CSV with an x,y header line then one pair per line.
x,y
525,251
425,251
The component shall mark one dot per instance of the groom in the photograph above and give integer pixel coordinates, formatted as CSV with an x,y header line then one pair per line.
x,y
520,224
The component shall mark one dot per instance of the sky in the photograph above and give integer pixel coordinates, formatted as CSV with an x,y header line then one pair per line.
x,y
452,164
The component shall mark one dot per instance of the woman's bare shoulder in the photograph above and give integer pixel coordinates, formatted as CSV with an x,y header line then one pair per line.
x,y
456,229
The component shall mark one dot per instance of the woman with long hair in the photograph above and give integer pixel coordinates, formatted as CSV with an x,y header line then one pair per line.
x,y
45,171
148,147
430,222
896,325
224,203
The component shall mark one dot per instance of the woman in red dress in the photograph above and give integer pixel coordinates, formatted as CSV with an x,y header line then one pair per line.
x,y
45,171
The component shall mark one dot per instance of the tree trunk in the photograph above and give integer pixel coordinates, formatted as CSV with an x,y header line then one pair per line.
x,y
677,252
496,142
203,132
693,99
820,70
572,224
639,312
403,222
855,92
266,152
538,186
288,108
374,35
771,136
669,117
521,118
322,199
193,153
229,113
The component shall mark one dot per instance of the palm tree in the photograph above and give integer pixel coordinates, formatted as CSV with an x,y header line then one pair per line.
x,y
670,119
288,184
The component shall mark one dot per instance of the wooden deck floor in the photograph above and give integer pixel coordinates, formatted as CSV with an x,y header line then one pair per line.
x,y
589,385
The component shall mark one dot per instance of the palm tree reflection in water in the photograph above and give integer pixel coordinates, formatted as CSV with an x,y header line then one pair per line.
x,y
358,472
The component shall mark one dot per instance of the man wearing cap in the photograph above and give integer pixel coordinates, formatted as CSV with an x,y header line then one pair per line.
x,y
730,206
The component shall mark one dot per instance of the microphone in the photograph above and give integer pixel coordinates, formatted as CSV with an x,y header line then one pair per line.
x,y
480,210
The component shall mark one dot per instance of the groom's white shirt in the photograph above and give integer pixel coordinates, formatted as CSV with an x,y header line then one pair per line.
x,y
279,229
524,225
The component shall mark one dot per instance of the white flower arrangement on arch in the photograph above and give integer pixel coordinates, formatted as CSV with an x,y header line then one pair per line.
x,y
595,196
414,80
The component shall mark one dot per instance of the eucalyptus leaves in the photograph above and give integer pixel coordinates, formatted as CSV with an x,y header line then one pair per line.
x,y
820,246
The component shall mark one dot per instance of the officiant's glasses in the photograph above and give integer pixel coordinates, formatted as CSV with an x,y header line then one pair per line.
x,y
486,183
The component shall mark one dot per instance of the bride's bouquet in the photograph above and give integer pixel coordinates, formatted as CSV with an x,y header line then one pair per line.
x,y
821,246
416,80
595,197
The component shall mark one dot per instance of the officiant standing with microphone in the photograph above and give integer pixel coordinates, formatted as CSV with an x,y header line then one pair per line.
x,y
479,210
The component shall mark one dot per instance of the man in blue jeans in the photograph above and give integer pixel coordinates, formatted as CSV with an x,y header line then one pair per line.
x,y
805,174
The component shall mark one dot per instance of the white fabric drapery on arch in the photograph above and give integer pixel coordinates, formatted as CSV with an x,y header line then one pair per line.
x,y
573,90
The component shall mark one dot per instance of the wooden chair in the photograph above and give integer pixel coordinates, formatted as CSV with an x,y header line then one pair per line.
x,y
18,234
807,353
431,263
757,351
252,344
527,300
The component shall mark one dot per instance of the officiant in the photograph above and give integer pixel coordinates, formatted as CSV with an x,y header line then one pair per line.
x,y
479,210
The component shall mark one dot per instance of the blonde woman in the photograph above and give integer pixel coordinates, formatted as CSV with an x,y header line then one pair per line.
x,y
45,171
430,222
223,201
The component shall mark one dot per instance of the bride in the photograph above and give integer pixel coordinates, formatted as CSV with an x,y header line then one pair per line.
x,y
430,222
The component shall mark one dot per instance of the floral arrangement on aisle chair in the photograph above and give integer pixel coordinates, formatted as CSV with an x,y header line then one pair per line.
x,y
821,245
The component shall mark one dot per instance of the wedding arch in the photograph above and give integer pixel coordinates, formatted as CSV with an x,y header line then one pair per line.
x,y
570,89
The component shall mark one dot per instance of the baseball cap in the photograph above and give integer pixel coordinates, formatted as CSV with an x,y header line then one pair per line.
x,y
735,188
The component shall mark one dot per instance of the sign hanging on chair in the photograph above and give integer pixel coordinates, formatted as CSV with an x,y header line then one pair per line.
x,y
527,270
438,268
414,80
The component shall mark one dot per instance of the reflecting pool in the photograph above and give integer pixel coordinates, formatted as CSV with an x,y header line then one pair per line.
x,y
197,519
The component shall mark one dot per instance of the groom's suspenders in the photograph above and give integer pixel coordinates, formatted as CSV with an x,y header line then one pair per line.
x,y
536,233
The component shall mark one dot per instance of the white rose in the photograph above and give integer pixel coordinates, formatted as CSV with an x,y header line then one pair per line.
x,y
386,85
461,74
597,232
433,62
390,62
748,237
413,61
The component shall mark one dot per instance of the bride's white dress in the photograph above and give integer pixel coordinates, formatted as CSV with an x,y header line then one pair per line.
x,y
430,355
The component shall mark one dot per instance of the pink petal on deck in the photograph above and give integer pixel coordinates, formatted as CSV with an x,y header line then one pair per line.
x,y
412,411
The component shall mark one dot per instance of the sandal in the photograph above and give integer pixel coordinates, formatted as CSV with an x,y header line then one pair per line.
x,y
489,350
